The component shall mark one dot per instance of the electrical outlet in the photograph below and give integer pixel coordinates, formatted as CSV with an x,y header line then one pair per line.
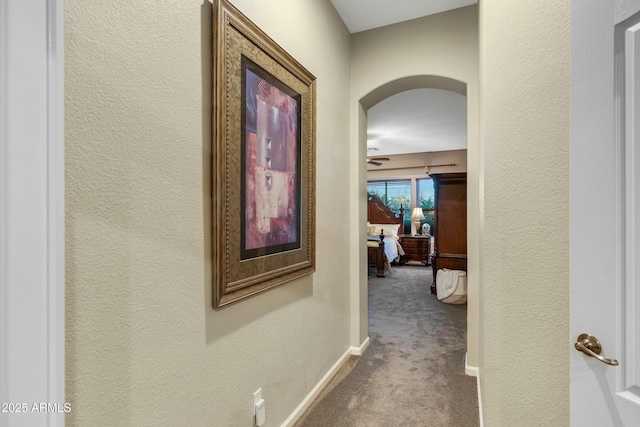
x,y
258,407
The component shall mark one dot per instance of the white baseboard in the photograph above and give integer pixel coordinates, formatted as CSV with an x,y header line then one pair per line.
x,y
315,391
358,351
472,371
479,399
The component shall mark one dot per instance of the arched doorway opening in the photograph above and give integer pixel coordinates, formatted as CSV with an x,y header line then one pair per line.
x,y
359,271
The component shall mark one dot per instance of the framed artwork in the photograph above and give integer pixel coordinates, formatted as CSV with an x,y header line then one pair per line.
x,y
263,161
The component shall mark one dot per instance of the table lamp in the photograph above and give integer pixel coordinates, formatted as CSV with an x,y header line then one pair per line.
x,y
417,215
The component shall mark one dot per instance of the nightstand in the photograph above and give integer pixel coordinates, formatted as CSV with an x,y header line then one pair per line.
x,y
416,248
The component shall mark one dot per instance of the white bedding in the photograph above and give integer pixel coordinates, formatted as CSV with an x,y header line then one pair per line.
x,y
392,248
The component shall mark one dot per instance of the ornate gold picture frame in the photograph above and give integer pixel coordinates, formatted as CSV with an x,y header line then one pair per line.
x,y
263,164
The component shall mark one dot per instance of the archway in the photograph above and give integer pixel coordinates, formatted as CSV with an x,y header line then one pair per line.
x,y
359,290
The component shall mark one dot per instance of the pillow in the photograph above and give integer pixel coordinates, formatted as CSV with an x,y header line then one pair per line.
x,y
371,230
390,230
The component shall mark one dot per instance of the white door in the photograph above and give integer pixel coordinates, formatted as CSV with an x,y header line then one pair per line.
x,y
32,341
605,211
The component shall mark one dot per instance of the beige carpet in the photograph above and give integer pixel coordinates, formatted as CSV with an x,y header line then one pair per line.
x,y
412,374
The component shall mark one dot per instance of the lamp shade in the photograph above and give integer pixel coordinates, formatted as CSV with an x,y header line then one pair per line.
x,y
417,213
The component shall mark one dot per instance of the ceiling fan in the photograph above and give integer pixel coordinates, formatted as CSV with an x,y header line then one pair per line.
x,y
376,160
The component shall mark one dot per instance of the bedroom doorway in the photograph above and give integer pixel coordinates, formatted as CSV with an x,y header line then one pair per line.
x,y
408,328
366,107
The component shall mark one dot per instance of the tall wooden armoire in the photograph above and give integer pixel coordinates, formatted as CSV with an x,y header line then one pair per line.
x,y
450,228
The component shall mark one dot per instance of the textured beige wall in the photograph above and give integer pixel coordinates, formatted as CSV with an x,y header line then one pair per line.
x,y
397,57
144,346
525,69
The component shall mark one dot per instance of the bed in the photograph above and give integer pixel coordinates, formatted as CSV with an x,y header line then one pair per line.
x,y
383,230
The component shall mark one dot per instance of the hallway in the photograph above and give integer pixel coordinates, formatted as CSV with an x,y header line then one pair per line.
x,y
412,374
108,179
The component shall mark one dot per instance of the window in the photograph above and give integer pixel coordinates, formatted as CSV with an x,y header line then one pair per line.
x,y
426,200
426,194
393,194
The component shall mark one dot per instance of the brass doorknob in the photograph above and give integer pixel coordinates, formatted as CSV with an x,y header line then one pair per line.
x,y
589,345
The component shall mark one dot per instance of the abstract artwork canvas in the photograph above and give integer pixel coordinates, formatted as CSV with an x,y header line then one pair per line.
x,y
271,161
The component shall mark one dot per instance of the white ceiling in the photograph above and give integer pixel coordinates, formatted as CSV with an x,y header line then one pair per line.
x,y
415,121
360,15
